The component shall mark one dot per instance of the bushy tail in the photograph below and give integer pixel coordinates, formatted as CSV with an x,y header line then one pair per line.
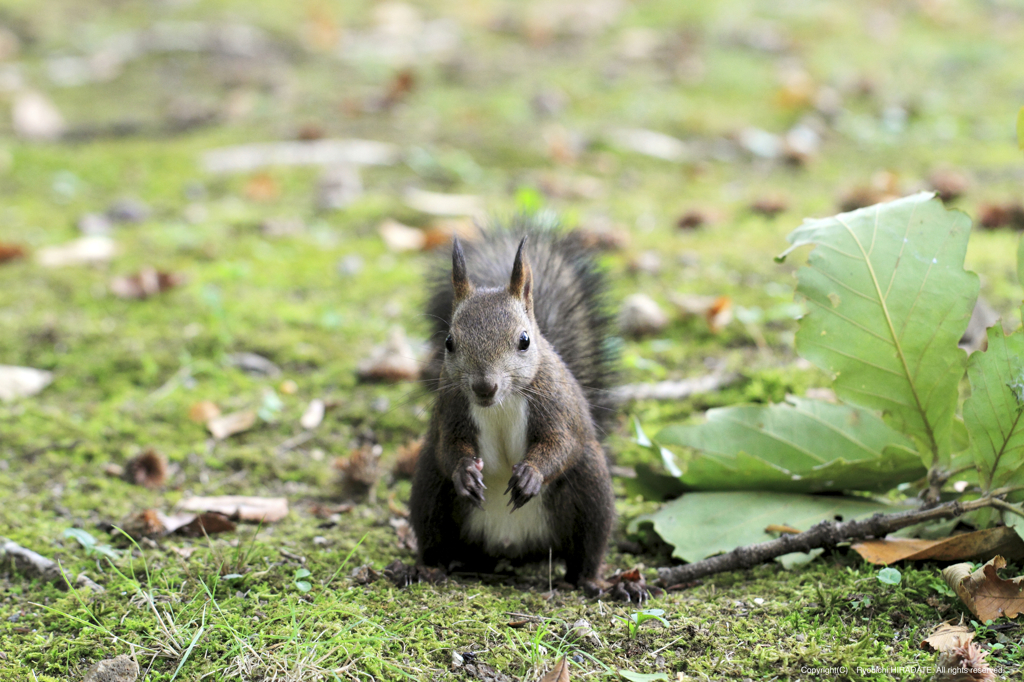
x,y
568,300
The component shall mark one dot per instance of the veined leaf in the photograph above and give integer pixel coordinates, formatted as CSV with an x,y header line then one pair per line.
x,y
702,524
799,446
994,413
889,301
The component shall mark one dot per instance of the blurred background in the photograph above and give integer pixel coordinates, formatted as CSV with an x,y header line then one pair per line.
x,y
153,258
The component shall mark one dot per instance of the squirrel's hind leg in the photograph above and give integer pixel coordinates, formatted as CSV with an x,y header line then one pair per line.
x,y
589,501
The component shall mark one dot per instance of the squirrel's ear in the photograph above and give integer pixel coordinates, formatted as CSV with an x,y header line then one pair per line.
x,y
460,282
521,285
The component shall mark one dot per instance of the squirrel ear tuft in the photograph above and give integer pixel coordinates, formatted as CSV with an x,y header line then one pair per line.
x,y
521,285
460,281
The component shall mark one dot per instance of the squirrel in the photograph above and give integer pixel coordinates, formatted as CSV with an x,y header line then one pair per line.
x,y
512,466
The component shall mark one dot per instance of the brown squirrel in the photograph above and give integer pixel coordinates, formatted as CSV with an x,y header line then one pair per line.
x,y
511,466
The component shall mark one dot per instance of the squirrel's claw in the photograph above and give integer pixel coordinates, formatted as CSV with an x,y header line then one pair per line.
x,y
524,485
469,480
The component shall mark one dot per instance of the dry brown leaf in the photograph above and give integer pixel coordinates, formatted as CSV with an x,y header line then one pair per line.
x,y
391,362
408,454
399,237
326,512
230,424
395,507
406,535
148,468
145,283
262,187
560,673
243,508
1010,214
986,594
947,636
964,664
719,315
440,232
769,206
203,411
10,252
980,544
360,470
206,523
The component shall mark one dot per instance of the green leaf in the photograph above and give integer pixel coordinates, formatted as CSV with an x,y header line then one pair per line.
x,y
994,414
889,300
84,538
702,524
302,573
799,446
303,586
890,576
642,677
639,617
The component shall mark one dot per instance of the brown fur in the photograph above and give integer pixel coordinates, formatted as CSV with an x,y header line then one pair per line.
x,y
563,455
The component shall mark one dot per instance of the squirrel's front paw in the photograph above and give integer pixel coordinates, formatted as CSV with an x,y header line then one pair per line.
x,y
524,484
469,479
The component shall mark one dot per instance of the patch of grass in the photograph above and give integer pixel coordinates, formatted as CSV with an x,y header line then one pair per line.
x,y
126,372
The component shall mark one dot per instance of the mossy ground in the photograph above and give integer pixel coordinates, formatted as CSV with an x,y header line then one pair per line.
x,y
128,371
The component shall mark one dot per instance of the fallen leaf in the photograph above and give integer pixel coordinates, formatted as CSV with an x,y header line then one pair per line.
x,y
230,424
964,664
395,507
947,636
719,314
313,415
649,143
360,470
82,251
692,219
35,117
640,316
980,545
243,508
769,206
22,382
560,673
406,535
1010,214
642,677
436,203
148,469
9,252
326,512
391,362
440,232
398,237
203,411
950,184
986,594
184,552
145,283
207,523
253,363
408,454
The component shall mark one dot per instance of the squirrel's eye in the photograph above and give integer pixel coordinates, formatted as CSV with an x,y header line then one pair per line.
x,y
449,344
524,341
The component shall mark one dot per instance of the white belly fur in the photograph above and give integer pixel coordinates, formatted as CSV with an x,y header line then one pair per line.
x,y
501,443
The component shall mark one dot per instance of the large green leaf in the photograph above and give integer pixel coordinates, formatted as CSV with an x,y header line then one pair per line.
x,y
889,301
994,413
798,446
702,524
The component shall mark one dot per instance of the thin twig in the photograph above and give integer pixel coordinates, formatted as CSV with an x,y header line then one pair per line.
x,y
824,534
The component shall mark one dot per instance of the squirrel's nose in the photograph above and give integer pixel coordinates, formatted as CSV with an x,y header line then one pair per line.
x,y
485,388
